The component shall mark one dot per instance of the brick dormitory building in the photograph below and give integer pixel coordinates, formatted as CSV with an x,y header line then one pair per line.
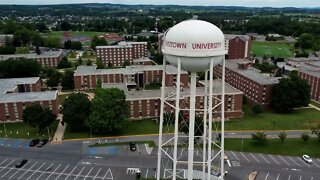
x,y
45,59
146,103
17,93
124,51
85,77
255,86
308,69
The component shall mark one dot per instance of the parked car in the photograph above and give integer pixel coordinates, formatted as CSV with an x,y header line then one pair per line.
x,y
22,163
307,158
42,143
132,146
34,142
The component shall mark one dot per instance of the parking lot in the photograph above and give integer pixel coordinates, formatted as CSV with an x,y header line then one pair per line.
x,y
15,143
280,167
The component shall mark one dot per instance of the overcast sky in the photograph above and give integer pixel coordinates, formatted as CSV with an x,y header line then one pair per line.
x,y
250,3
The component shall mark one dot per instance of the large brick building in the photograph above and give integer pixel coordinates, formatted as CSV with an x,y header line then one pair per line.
x,y
256,87
308,69
86,77
118,54
146,103
238,46
46,59
17,93
4,38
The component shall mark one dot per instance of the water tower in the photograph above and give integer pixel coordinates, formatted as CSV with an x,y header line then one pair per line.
x,y
194,46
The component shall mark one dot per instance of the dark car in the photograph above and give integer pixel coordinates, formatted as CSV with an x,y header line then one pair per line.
x,y
34,142
132,146
42,143
22,163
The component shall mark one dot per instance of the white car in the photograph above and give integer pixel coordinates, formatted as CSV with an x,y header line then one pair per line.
x,y
307,158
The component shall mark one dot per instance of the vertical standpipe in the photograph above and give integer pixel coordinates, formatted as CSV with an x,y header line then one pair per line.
x,y
191,124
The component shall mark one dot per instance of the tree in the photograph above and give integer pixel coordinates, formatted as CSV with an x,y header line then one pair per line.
x,y
126,63
98,42
100,64
67,44
306,40
282,136
52,42
76,110
257,109
290,93
19,68
316,132
259,137
64,63
89,62
110,65
37,116
22,50
76,45
67,80
99,83
54,79
305,137
109,111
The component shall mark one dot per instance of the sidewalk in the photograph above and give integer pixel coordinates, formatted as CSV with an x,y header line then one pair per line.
x,y
315,107
58,135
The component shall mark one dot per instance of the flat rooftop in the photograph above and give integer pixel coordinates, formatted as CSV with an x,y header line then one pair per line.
x,y
306,65
232,36
49,54
122,44
11,83
154,94
92,70
28,97
250,73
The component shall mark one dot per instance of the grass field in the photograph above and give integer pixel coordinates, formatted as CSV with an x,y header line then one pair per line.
x,y
23,130
291,147
298,119
272,49
59,34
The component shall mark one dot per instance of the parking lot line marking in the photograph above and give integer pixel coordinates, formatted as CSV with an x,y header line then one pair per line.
x,y
289,176
62,171
304,162
283,160
293,161
71,172
278,176
147,173
14,173
244,156
97,174
274,159
88,173
80,172
264,158
6,166
235,155
53,172
105,175
312,178
316,164
267,176
36,171
27,170
7,172
45,171
255,158
3,161
300,177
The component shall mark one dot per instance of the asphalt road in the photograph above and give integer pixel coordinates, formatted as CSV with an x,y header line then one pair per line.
x,y
76,160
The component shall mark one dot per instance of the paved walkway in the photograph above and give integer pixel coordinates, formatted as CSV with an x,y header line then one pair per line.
x,y
58,135
315,107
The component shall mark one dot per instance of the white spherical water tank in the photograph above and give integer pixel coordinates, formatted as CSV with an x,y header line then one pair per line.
x,y
195,42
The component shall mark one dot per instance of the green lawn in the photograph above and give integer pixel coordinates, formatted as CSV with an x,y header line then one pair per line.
x,y
291,147
275,49
153,86
298,119
59,34
137,127
61,98
23,130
